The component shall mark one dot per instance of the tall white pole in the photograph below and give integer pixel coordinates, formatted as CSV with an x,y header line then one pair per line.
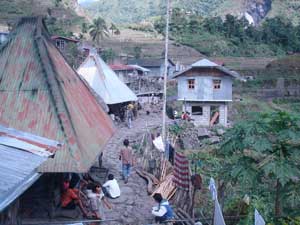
x,y
166,72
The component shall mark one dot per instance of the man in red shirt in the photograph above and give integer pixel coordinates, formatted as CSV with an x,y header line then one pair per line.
x,y
70,198
127,159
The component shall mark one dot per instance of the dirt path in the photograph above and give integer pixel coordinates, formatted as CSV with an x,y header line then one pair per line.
x,y
134,205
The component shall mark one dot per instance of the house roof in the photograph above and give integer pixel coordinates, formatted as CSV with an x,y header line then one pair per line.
x,y
104,80
65,38
40,93
149,62
117,67
20,156
205,63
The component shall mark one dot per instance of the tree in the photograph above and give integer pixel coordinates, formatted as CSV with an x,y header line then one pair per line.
x,y
98,29
108,55
262,155
84,28
114,29
57,2
137,51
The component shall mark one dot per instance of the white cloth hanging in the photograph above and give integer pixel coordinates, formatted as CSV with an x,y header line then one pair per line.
x,y
213,189
258,219
218,215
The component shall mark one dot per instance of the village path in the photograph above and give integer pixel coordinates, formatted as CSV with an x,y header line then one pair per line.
x,y
134,205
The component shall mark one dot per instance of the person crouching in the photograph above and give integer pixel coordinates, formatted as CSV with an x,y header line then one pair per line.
x,y
163,211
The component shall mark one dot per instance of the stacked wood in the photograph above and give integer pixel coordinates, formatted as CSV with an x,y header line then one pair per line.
x,y
182,217
166,188
166,168
183,200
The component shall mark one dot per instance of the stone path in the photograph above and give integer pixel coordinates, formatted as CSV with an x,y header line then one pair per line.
x,y
134,205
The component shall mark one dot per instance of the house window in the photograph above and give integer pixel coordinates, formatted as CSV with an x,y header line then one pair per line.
x,y
197,110
60,44
191,84
217,84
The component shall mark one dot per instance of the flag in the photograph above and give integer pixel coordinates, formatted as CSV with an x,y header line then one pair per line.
x,y
258,219
213,189
218,215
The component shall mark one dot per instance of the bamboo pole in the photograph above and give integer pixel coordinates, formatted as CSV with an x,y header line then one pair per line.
x,y
166,72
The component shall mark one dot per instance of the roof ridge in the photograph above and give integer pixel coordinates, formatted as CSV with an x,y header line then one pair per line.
x,y
58,101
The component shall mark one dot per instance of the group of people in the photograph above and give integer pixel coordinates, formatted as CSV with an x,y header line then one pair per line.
x,y
92,197
186,116
89,197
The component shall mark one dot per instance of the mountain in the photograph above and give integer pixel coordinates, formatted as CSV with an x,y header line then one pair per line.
x,y
65,14
133,11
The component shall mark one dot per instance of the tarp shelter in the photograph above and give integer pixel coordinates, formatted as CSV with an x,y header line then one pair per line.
x,y
20,156
104,81
42,94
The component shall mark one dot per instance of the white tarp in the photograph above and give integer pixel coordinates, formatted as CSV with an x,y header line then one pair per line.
x,y
218,215
259,220
104,81
213,189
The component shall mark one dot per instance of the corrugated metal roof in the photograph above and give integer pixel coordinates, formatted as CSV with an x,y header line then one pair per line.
x,y
104,81
65,38
205,63
20,155
28,142
116,67
40,93
149,62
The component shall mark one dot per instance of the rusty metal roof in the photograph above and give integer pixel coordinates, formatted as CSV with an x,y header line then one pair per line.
x,y
21,154
41,94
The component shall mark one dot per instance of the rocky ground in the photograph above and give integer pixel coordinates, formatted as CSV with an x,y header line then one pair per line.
x,y
134,205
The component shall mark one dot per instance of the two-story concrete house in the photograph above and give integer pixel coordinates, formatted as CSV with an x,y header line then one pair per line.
x,y
206,89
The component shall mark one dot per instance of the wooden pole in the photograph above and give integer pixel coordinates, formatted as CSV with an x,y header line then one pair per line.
x,y
166,72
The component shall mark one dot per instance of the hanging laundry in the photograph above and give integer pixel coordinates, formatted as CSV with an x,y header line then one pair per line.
x,y
213,189
218,215
181,172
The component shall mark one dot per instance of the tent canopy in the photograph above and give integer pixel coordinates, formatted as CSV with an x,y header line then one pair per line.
x,y
104,81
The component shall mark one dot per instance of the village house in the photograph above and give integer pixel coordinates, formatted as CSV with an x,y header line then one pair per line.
x,y
132,75
43,95
126,73
21,154
205,88
155,65
63,43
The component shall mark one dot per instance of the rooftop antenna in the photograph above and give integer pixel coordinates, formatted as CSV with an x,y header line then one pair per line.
x,y
166,72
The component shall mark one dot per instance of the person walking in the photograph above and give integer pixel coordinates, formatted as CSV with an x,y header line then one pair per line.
x,y
127,159
129,115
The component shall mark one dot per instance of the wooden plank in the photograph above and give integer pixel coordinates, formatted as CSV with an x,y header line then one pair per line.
x,y
214,118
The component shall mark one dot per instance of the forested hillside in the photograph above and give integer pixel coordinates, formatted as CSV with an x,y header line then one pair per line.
x,y
233,36
133,11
